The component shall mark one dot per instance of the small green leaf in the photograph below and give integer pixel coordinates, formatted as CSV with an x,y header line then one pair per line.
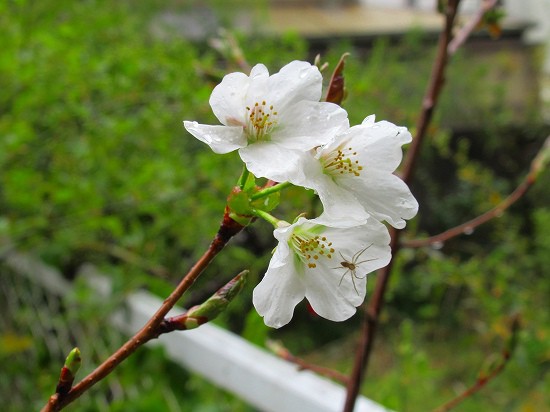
x,y
250,183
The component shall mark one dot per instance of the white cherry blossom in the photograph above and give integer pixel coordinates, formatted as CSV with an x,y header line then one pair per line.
x,y
353,174
324,263
264,116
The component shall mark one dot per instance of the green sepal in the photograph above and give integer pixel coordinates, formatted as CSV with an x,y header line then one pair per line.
x,y
267,203
250,183
240,210
239,202
242,207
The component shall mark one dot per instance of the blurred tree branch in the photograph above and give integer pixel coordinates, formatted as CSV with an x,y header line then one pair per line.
x,y
436,82
537,165
484,377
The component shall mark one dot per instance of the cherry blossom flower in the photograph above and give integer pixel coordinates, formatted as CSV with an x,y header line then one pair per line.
x,y
264,116
353,174
324,263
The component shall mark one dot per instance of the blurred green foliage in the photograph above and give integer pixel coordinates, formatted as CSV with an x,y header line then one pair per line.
x,y
95,161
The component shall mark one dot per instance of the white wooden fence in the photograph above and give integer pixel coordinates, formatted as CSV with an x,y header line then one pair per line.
x,y
263,380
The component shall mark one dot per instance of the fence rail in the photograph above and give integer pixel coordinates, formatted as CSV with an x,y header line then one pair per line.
x,y
225,359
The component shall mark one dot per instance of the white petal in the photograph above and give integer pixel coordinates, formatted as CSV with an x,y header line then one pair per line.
x,y
296,81
259,71
221,139
277,294
372,232
329,298
282,234
258,89
228,99
385,197
369,120
340,205
272,161
306,124
331,290
350,239
378,145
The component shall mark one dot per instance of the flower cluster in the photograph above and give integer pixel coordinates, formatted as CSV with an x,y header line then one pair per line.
x,y
283,132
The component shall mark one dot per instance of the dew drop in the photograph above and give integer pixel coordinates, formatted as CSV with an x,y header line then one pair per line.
x,y
468,230
437,245
304,73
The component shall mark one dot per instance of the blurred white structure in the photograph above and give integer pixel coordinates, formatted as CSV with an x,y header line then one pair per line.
x,y
262,379
534,12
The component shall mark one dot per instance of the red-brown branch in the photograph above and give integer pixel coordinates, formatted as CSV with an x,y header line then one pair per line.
x,y
285,354
151,329
429,103
376,302
484,379
498,210
461,37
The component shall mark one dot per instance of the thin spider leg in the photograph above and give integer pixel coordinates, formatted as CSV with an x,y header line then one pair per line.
x,y
353,281
364,261
352,275
358,254
342,278
361,277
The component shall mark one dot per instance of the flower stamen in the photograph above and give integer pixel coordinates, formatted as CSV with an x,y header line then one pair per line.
x,y
341,161
310,249
261,120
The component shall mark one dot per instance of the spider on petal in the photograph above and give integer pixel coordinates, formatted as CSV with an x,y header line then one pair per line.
x,y
352,266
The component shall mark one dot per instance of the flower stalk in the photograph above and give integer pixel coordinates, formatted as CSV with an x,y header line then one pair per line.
x,y
227,230
374,308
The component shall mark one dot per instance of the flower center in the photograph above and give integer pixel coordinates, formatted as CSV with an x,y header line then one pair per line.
x,y
311,248
341,161
262,119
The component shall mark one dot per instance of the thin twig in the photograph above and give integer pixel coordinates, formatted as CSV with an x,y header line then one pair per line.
x,y
57,401
228,46
377,301
468,28
428,105
284,353
484,379
497,211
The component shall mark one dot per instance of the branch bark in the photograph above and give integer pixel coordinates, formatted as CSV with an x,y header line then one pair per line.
x,y
447,46
376,303
150,330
